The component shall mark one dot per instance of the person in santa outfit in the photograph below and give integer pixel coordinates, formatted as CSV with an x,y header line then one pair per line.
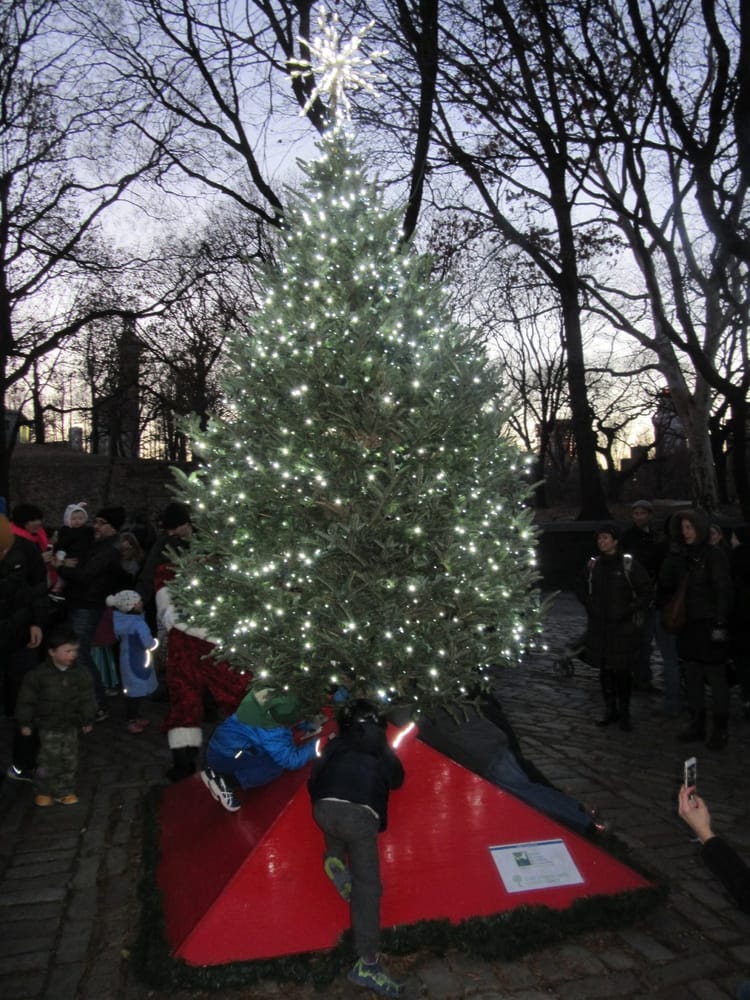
x,y
191,670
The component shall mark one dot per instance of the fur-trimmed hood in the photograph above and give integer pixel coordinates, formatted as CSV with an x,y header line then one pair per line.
x,y
698,520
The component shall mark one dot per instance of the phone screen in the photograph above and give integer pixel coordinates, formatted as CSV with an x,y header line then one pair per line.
x,y
691,773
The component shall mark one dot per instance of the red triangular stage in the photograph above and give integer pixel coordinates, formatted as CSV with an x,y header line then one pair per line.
x,y
250,885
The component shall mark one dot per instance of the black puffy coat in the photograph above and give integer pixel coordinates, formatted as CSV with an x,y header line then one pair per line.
x,y
55,699
23,594
358,766
616,603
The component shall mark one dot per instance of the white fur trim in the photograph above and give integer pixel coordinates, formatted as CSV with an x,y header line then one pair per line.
x,y
184,736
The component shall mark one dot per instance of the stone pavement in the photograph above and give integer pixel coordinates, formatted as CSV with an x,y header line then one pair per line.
x,y
68,875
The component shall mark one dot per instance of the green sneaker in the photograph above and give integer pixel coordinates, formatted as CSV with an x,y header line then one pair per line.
x,y
340,875
373,977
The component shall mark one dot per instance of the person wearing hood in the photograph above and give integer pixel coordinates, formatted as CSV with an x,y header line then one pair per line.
x,y
616,592
703,642
739,622
74,541
88,582
349,787
255,745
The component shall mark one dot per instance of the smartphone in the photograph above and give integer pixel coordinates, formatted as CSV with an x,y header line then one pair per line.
x,y
691,774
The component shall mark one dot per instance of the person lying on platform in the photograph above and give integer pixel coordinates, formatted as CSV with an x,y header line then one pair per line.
x,y
349,787
255,745
722,860
480,738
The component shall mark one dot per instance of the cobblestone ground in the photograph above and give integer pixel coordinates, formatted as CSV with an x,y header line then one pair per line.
x,y
68,876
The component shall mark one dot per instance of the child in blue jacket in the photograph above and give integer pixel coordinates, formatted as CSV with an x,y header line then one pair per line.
x,y
136,646
255,745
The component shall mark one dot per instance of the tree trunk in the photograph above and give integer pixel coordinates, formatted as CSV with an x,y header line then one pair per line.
x,y
739,409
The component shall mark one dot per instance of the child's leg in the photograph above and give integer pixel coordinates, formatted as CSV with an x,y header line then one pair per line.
x,y
132,708
58,760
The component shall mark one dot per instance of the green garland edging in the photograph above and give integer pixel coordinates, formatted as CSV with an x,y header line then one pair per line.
x,y
504,936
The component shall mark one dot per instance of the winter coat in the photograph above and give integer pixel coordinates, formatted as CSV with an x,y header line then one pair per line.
x,y
136,643
100,574
259,732
729,867
616,593
358,766
643,545
23,595
56,700
708,598
76,543
739,621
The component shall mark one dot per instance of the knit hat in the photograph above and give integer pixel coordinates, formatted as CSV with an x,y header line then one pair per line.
x,y
609,528
71,509
642,505
174,516
114,516
6,533
123,600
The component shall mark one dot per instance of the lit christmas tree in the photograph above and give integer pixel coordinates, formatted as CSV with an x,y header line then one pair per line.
x,y
361,513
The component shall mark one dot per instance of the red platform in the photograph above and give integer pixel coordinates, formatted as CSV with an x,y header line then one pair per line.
x,y
250,885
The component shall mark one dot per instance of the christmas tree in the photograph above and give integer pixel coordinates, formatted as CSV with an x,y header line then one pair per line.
x,y
361,512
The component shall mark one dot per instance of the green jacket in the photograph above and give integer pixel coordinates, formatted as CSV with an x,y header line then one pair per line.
x,y
55,699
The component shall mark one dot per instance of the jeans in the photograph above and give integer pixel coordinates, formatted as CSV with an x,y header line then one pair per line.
x,y
507,773
84,621
351,831
743,990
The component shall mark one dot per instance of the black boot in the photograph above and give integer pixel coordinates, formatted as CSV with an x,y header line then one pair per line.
x,y
624,685
607,681
696,731
719,734
183,763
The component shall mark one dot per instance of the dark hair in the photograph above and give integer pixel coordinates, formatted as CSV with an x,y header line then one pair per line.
x,y
25,512
62,635
360,710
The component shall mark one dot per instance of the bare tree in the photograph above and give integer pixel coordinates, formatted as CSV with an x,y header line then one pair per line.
x,y
63,167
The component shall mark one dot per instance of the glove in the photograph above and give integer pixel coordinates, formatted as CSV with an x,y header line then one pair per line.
x,y
719,634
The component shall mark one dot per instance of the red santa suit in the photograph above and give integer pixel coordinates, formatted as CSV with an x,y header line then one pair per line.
x,y
190,669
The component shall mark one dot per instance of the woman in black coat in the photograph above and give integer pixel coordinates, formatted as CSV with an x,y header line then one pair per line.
x,y
703,642
616,592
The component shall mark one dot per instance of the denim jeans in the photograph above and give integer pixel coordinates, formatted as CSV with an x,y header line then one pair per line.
x,y
507,773
84,621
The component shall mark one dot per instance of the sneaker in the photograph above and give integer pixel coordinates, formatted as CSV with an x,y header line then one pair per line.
x,y
67,800
135,727
43,800
111,692
340,875
101,714
373,977
218,787
20,773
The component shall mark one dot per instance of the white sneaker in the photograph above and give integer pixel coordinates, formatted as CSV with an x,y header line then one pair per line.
x,y
218,787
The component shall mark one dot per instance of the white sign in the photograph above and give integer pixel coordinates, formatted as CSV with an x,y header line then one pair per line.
x,y
541,864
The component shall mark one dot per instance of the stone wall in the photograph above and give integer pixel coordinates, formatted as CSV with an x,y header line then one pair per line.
x,y
52,476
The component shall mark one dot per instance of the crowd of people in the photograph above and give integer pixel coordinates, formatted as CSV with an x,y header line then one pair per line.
x,y
683,585
85,608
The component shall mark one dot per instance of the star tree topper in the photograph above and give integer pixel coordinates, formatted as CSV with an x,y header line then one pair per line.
x,y
339,68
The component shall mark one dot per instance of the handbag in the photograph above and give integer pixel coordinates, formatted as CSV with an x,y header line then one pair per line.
x,y
674,614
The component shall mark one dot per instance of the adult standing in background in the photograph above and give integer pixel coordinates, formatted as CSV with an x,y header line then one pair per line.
x,y
24,611
739,621
88,581
616,592
641,541
703,643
